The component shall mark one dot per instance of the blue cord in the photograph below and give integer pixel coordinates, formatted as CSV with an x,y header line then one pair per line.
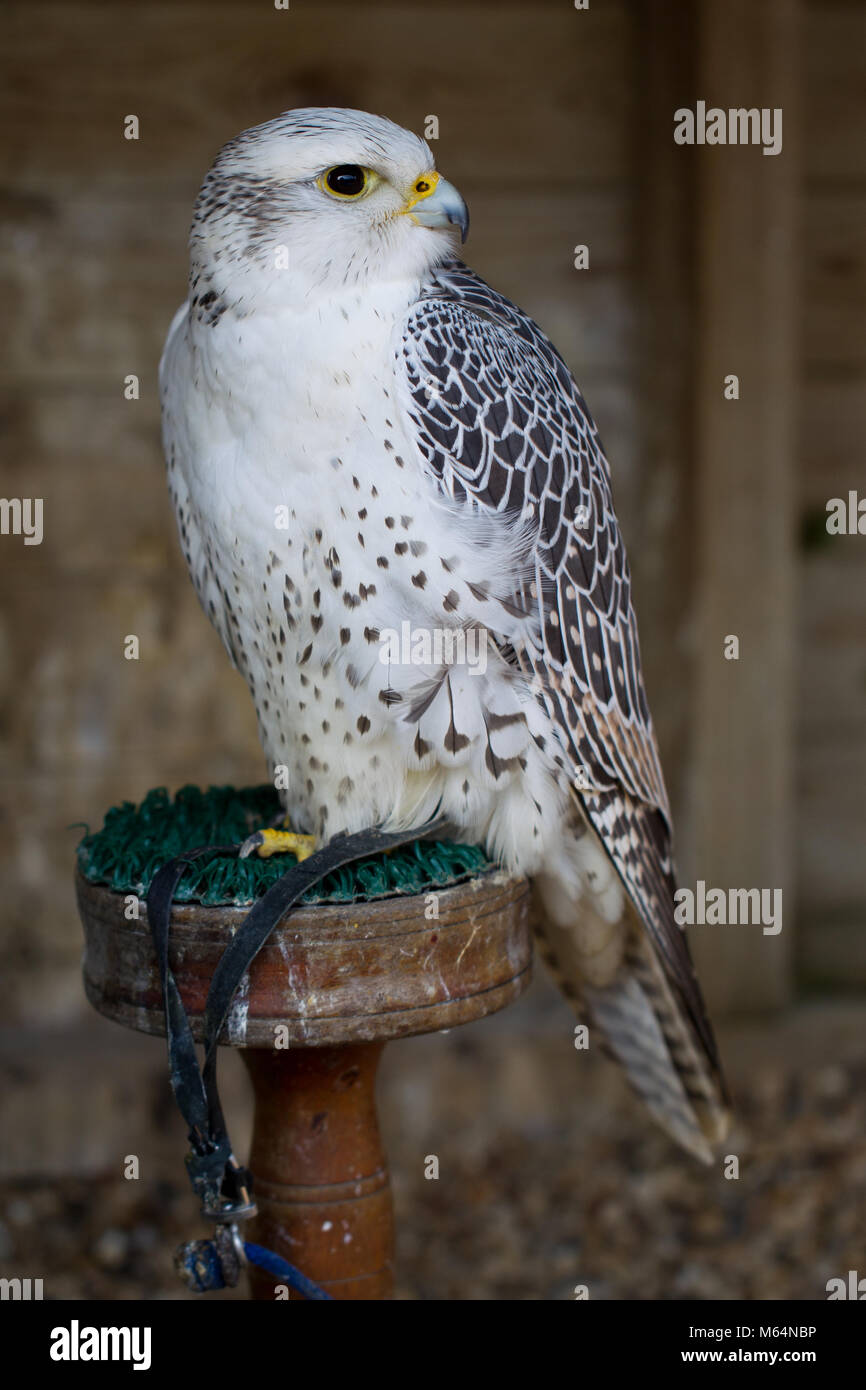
x,y
275,1264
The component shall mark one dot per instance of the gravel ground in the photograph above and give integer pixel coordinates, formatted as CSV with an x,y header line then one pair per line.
x,y
549,1176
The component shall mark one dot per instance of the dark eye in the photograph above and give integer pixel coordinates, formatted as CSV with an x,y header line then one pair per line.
x,y
346,180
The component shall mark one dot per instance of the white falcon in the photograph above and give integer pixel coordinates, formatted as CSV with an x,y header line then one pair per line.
x,y
396,511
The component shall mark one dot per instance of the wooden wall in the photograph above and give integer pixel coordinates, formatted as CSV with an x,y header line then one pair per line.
x,y
830,796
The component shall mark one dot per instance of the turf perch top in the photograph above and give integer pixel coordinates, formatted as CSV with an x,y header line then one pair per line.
x,y
136,841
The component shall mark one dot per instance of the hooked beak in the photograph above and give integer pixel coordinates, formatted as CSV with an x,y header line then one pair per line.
x,y
435,202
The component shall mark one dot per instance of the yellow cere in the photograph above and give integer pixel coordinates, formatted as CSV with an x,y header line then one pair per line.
x,y
422,188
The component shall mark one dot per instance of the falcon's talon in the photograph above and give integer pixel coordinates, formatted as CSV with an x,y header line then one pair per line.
x,y
251,843
269,841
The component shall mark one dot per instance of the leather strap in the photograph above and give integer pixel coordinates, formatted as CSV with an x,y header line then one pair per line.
x,y
223,1186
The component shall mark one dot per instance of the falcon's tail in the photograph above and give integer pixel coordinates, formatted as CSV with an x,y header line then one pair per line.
x,y
666,1063
646,1029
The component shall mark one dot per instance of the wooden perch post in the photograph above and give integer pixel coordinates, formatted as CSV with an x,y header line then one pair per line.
x,y
330,987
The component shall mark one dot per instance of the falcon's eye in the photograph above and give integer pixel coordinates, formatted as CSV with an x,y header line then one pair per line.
x,y
346,180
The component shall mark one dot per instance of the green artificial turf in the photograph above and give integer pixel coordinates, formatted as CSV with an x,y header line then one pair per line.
x,y
136,840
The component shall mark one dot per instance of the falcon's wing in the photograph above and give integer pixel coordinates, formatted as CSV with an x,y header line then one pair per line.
x,y
500,422
501,426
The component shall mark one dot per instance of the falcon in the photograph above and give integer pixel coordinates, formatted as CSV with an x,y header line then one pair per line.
x,y
364,439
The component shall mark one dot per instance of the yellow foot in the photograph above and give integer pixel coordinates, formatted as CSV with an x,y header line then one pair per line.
x,y
267,842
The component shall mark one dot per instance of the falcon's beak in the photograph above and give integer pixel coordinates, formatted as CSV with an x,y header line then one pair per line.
x,y
434,202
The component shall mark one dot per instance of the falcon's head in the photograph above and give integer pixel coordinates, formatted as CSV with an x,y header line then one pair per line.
x,y
324,197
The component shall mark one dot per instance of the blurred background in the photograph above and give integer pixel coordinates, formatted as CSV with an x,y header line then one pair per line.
x,y
557,126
